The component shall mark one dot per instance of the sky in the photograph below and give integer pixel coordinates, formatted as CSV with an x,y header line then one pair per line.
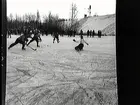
x,y
60,7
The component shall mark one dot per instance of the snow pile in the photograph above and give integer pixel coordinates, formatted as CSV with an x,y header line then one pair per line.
x,y
97,23
110,30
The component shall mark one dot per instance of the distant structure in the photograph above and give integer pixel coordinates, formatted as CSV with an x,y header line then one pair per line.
x,y
89,10
95,15
85,15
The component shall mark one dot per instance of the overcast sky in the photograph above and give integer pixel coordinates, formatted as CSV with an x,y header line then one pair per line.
x,y
60,7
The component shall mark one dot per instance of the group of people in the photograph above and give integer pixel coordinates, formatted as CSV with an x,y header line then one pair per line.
x,y
20,31
71,33
81,42
91,33
23,39
27,33
14,31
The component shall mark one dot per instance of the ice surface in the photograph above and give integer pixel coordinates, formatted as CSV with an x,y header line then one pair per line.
x,y
56,74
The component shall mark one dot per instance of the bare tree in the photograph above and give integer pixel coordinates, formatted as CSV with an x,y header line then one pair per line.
x,y
38,16
38,20
74,20
11,17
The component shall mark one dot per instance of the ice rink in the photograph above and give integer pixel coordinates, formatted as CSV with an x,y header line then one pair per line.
x,y
56,74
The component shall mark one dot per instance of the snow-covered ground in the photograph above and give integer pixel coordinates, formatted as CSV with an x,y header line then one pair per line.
x,y
56,74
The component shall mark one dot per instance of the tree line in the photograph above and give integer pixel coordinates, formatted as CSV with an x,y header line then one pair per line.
x,y
48,25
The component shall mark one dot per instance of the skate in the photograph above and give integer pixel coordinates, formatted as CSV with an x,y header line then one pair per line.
x,y
23,48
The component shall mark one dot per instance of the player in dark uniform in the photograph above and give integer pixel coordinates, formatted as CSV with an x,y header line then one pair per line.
x,y
81,32
36,38
87,33
99,33
93,33
9,33
56,36
90,33
22,40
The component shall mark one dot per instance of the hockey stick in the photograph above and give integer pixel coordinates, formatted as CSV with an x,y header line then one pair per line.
x,y
31,47
75,41
78,42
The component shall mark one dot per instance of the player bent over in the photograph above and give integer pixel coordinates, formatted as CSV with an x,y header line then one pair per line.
x,y
22,40
36,38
